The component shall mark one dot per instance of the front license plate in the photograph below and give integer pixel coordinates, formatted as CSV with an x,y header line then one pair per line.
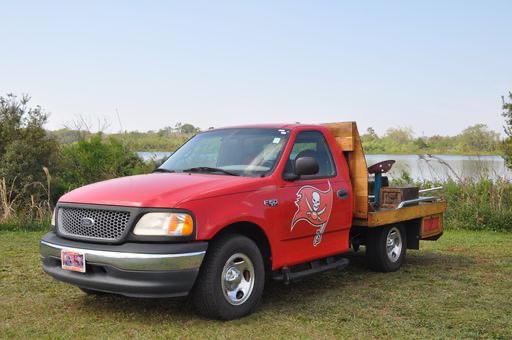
x,y
73,260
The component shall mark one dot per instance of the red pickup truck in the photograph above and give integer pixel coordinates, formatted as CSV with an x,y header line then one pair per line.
x,y
229,209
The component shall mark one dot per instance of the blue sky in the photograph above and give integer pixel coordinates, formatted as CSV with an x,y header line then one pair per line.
x,y
434,66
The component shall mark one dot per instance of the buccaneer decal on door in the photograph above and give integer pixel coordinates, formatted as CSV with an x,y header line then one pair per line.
x,y
313,206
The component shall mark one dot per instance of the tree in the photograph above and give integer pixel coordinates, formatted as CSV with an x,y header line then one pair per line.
x,y
25,148
166,131
177,127
398,140
421,144
186,128
371,133
400,135
189,128
371,142
478,138
507,143
440,144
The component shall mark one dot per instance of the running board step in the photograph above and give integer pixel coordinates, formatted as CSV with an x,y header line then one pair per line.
x,y
287,274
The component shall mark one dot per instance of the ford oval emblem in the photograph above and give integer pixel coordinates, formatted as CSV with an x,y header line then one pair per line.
x,y
87,222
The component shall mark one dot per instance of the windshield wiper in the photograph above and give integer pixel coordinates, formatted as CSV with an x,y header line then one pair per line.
x,y
163,170
210,169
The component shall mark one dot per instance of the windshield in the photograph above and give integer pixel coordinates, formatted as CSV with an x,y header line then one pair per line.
x,y
239,151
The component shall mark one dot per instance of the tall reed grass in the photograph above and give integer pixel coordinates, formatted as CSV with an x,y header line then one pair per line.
x,y
32,215
480,204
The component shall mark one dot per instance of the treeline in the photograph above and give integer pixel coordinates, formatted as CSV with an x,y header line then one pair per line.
x,y
474,140
166,139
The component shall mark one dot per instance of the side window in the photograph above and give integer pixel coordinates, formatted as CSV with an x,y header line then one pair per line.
x,y
312,144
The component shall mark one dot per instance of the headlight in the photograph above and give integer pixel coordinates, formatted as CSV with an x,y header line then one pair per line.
x,y
164,224
53,218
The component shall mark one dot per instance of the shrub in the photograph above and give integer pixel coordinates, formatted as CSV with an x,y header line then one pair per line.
x,y
96,159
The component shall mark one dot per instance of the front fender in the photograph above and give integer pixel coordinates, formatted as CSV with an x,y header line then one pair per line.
x,y
215,213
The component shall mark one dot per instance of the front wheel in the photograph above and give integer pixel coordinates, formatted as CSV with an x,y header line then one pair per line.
x,y
386,248
231,280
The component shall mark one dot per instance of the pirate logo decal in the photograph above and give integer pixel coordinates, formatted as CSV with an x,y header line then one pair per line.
x,y
313,206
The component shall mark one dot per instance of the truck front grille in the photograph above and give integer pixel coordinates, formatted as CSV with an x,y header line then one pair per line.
x,y
93,224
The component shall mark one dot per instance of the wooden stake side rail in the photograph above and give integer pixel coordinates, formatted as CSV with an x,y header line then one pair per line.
x,y
384,217
347,137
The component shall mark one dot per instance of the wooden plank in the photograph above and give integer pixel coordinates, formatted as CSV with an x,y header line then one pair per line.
x,y
384,217
341,129
359,175
343,132
346,143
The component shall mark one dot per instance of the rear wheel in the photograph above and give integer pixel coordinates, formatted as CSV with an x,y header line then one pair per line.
x,y
231,280
386,248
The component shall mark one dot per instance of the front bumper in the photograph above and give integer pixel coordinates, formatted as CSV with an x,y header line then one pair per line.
x,y
131,269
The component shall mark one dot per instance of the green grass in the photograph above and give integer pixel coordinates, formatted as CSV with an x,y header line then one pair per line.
x,y
459,286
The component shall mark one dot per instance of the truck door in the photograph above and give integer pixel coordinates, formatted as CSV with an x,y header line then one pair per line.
x,y
316,209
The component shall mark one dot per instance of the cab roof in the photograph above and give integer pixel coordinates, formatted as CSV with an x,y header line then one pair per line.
x,y
270,126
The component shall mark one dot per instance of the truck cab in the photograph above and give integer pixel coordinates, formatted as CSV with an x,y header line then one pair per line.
x,y
228,210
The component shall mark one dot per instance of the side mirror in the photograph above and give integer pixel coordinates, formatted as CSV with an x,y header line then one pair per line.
x,y
306,166
303,166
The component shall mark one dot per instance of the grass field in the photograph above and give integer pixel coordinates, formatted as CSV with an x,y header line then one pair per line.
x,y
460,286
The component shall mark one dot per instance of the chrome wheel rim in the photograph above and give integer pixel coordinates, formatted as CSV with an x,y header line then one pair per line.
x,y
237,279
394,244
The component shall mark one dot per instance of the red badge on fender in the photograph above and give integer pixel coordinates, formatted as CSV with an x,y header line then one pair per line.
x,y
313,206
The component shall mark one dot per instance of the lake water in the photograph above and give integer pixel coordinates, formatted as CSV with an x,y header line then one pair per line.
x,y
442,167
149,155
424,168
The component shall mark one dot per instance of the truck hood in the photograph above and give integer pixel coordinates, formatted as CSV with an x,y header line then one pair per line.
x,y
160,190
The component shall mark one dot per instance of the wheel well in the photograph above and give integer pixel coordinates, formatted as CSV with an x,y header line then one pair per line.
x,y
358,235
256,234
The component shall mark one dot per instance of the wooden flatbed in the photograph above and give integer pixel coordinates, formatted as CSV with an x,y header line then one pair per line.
x,y
365,215
385,217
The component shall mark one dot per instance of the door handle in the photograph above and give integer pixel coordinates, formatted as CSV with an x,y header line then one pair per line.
x,y
342,194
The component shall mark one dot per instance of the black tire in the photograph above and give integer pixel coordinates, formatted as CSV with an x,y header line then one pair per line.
x,y
210,294
377,255
91,292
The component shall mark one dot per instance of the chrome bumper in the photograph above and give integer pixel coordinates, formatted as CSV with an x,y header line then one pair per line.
x,y
132,269
129,261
